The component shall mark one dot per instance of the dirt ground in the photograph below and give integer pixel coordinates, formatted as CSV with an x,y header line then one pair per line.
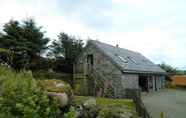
x,y
172,102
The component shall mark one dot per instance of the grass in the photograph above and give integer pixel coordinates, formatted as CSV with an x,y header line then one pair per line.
x,y
109,108
103,102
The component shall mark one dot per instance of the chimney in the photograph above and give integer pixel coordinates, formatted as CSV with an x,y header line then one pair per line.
x,y
117,46
116,53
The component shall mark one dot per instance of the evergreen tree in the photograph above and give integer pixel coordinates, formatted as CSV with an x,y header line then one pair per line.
x,y
25,40
67,48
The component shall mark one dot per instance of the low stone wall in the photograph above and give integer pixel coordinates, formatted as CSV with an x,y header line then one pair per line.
x,y
135,95
81,86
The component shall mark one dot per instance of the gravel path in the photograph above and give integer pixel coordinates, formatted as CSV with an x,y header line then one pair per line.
x,y
170,101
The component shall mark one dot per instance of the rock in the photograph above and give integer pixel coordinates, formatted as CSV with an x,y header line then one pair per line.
x,y
57,86
126,115
80,111
61,97
60,84
59,89
90,103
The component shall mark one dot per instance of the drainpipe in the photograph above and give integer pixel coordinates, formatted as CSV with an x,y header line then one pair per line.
x,y
148,78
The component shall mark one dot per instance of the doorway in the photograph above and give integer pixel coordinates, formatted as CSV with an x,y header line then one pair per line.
x,y
143,82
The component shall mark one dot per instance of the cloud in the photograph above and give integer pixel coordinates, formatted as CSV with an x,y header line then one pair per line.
x,y
92,13
128,2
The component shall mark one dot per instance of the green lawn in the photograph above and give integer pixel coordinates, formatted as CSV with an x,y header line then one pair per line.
x,y
105,101
110,106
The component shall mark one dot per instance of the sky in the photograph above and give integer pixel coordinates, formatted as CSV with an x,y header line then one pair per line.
x,y
155,28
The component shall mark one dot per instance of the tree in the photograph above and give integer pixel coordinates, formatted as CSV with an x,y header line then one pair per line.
x,y
67,48
169,69
25,40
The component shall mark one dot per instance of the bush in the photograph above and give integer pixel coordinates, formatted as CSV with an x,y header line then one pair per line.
x,y
52,75
6,56
71,114
21,97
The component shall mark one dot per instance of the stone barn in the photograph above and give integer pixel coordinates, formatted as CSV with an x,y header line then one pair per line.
x,y
107,71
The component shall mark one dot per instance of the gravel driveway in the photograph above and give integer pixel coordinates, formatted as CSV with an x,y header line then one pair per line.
x,y
170,101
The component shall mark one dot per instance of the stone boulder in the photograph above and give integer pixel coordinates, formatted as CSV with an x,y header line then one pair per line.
x,y
87,109
62,98
58,89
90,103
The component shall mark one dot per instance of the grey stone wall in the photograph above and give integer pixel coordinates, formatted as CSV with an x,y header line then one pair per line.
x,y
102,65
130,81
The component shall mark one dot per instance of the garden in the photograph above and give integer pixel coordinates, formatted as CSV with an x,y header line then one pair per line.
x,y
23,96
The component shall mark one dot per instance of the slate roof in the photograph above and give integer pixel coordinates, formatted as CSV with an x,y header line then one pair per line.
x,y
126,60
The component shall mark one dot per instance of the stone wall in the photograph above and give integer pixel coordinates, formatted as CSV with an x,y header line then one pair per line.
x,y
130,81
102,65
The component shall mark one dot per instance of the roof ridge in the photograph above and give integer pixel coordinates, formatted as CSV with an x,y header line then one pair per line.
x,y
115,46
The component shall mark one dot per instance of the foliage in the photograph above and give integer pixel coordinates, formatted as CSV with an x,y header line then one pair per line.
x,y
50,74
67,47
61,65
168,68
170,85
171,70
42,63
21,97
71,114
25,40
6,56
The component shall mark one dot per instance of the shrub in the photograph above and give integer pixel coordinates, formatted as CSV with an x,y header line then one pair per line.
x,y
21,97
71,114
6,56
50,74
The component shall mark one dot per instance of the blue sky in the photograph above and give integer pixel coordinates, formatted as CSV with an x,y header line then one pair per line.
x,y
155,28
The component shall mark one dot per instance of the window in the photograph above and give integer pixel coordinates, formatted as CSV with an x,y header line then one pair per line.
x,y
131,59
122,59
90,59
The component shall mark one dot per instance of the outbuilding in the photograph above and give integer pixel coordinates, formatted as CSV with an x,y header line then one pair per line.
x,y
108,70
